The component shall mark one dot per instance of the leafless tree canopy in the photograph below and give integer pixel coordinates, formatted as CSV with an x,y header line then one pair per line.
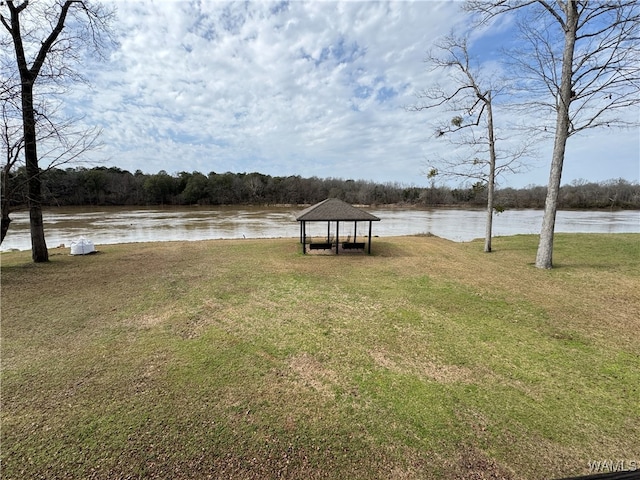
x,y
605,76
462,107
605,72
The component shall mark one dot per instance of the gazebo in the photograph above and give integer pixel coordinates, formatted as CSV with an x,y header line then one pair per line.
x,y
334,210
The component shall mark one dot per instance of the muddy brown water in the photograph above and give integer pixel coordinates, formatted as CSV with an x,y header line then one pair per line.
x,y
109,225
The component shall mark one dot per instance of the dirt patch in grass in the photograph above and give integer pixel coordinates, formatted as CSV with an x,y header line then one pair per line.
x,y
430,369
146,321
310,373
473,464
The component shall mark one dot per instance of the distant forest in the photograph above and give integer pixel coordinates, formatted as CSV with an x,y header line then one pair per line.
x,y
113,186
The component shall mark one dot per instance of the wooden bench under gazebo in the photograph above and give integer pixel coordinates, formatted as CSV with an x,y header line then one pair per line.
x,y
334,210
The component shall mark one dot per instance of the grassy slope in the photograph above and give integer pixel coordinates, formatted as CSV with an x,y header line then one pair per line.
x,y
246,359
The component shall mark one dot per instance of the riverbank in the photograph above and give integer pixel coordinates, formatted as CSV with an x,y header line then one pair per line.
x,y
246,359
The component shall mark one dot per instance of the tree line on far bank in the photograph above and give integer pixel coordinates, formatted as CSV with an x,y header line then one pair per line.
x,y
113,186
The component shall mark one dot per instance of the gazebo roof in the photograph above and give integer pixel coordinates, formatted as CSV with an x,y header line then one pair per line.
x,y
333,209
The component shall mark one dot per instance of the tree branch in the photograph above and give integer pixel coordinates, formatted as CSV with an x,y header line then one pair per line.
x,y
48,43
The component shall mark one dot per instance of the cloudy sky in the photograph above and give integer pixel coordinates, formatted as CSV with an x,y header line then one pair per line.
x,y
300,88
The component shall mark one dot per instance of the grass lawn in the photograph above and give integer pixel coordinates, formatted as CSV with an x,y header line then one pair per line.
x,y
246,359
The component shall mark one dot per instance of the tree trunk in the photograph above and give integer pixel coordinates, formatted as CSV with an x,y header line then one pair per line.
x,y
39,252
4,227
491,180
5,198
544,256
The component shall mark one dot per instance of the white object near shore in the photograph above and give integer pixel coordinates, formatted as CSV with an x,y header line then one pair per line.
x,y
82,246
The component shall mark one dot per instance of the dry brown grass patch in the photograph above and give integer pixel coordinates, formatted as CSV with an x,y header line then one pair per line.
x,y
426,368
473,464
308,372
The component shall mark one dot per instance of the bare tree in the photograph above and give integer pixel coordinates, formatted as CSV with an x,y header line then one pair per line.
x,y
471,97
46,51
584,58
12,143
11,132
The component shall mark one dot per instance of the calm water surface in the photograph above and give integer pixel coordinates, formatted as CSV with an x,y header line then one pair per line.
x,y
124,225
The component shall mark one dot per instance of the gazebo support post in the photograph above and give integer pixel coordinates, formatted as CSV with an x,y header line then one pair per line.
x,y
369,249
303,229
337,236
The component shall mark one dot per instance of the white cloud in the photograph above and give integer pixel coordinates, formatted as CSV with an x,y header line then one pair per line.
x,y
308,88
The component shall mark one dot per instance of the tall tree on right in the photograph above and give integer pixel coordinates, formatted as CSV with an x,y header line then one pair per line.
x,y
586,56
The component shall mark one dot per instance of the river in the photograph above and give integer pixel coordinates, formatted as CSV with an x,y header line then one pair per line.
x,y
109,225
